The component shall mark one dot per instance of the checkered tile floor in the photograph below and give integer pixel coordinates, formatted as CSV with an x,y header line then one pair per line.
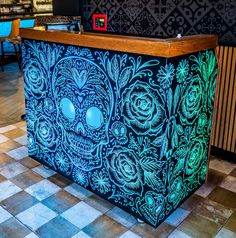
x,y
37,202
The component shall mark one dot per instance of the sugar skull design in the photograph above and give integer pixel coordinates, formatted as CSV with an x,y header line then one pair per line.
x,y
83,101
131,128
152,209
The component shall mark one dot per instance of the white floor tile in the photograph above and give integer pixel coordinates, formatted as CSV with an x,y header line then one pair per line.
x,y
18,153
229,183
3,139
225,233
205,190
7,128
78,191
22,140
122,217
222,166
177,217
12,169
81,214
42,189
31,235
178,234
44,172
4,215
81,234
23,128
36,216
7,189
129,234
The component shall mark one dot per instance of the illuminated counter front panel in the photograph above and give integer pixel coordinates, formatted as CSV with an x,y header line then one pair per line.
x,y
132,128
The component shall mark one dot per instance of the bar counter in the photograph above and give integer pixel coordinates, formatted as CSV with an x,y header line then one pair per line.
x,y
128,118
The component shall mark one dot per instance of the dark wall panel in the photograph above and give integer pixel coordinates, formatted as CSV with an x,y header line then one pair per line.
x,y
167,18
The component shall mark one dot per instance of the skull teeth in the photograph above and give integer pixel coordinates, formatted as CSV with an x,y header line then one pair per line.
x,y
82,145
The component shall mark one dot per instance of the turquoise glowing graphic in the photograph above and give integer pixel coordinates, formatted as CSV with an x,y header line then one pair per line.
x,y
68,109
94,117
133,129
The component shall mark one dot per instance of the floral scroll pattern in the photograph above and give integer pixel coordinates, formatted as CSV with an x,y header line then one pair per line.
x,y
133,129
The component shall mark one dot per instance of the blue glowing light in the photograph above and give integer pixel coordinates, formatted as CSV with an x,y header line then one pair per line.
x,y
68,109
94,118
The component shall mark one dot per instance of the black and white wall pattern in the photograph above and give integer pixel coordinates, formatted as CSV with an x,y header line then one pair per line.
x,y
167,18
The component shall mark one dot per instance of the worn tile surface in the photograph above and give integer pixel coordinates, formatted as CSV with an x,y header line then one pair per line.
x,y
18,153
9,145
58,227
37,202
213,212
4,215
129,234
2,178
42,189
78,191
60,180
178,234
44,171
221,166
3,139
7,189
5,160
104,227
61,201
229,183
225,233
6,129
15,133
36,216
18,202
81,234
26,179
12,169
223,196
12,228
198,226
87,214
233,173
231,222
99,203
121,217
177,217
29,163
21,140
144,230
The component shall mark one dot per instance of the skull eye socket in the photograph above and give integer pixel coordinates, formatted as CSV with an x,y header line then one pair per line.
x,y
94,118
68,109
150,201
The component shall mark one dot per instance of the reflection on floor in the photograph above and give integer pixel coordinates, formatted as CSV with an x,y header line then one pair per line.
x,y
37,202
11,95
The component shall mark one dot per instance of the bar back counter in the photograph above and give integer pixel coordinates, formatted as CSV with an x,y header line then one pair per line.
x,y
128,118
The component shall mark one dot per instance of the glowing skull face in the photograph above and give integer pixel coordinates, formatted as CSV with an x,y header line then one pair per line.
x,y
83,110
153,206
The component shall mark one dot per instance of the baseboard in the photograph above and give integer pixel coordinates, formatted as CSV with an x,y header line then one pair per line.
x,y
223,154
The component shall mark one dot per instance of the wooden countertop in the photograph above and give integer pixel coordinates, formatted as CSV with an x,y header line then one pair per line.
x,y
139,45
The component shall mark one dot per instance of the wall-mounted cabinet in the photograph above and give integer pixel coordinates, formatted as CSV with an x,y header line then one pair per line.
x,y
12,7
16,7
42,5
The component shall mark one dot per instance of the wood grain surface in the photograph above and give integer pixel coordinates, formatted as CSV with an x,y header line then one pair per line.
x,y
139,45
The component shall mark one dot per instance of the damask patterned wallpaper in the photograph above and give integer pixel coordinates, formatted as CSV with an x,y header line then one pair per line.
x,y
167,18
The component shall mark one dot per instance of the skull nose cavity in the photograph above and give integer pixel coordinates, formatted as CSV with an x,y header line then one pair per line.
x,y
80,128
